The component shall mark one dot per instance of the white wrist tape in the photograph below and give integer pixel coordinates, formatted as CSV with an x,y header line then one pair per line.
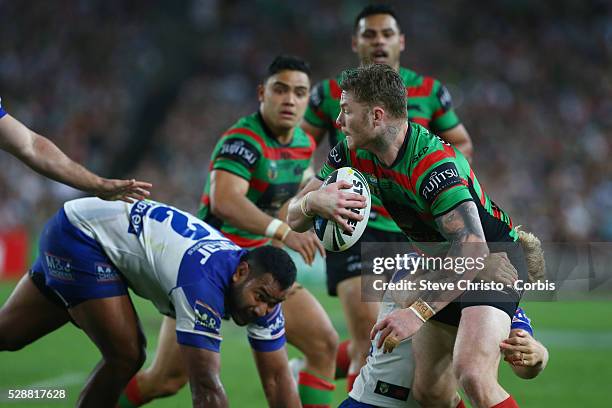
x,y
272,227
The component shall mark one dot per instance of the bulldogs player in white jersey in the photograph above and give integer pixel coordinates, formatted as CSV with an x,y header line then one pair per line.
x,y
91,251
386,378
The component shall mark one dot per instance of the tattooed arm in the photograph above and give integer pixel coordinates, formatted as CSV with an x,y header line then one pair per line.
x,y
462,228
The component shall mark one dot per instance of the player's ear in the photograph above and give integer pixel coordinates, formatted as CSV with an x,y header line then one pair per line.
x,y
242,272
402,39
379,114
260,92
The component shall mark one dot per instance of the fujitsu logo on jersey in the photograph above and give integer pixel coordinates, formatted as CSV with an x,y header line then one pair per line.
x,y
238,148
439,179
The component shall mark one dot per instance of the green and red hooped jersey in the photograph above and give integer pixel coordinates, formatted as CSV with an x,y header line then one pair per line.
x,y
274,171
428,179
429,105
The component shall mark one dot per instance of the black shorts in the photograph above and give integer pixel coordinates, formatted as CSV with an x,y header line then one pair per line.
x,y
347,264
506,301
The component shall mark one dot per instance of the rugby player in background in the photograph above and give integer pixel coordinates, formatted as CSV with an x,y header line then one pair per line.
x,y
377,38
256,167
43,156
91,251
402,162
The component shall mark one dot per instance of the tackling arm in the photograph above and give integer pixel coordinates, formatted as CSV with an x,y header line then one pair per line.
x,y
527,356
206,388
46,158
278,385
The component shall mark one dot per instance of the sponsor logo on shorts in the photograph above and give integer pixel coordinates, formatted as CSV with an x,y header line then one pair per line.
x,y
391,391
106,273
59,268
353,263
439,179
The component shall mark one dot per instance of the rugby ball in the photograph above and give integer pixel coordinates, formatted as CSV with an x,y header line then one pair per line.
x,y
333,237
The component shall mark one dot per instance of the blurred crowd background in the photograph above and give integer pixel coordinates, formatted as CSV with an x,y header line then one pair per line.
x,y
144,89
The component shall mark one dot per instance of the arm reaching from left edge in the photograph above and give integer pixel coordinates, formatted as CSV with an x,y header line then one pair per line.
x,y
527,356
46,158
276,379
206,387
462,228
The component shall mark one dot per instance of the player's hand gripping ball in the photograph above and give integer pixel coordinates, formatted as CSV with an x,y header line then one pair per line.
x,y
333,237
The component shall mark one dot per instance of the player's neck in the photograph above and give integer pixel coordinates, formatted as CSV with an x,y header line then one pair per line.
x,y
283,136
387,146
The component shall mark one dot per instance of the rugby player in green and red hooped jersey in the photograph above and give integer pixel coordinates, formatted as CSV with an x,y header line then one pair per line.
x,y
431,192
274,172
256,167
377,38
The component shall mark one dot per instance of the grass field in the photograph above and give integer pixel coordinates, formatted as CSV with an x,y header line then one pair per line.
x,y
578,335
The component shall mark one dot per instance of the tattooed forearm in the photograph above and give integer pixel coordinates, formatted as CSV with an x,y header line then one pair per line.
x,y
461,224
462,228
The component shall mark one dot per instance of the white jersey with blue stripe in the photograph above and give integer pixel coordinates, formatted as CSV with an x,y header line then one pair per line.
x,y
180,263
